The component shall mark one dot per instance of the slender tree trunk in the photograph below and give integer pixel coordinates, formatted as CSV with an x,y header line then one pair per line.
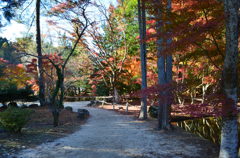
x,y
116,95
62,88
39,51
55,114
203,94
143,52
57,105
192,97
160,66
169,65
229,135
127,105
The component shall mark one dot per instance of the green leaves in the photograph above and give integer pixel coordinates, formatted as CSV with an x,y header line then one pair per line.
x,y
14,119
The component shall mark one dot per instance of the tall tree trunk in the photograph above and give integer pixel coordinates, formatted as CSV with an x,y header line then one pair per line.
x,y
169,65
143,52
164,66
39,52
229,135
160,65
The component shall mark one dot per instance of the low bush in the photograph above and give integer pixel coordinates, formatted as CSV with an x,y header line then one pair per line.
x,y
14,119
153,111
13,104
69,108
33,106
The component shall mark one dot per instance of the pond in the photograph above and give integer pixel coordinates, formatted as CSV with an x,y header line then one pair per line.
x,y
209,128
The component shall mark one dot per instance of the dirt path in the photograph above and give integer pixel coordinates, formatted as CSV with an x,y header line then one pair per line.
x,y
110,135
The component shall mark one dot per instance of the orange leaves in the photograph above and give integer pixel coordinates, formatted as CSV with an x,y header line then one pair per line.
x,y
104,62
151,22
20,66
151,31
111,59
3,61
54,57
47,66
190,22
209,80
16,74
133,66
34,84
32,67
61,7
96,54
51,23
111,8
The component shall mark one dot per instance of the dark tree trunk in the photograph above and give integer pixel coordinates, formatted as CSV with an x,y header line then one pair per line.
x,y
57,104
143,52
169,65
229,135
39,52
55,114
164,66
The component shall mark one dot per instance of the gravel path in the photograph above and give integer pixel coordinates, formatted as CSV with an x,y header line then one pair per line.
x,y
110,135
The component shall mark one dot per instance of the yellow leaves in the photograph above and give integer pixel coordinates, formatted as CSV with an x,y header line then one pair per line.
x,y
5,45
16,74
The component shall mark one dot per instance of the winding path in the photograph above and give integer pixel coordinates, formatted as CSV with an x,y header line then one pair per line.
x,y
110,135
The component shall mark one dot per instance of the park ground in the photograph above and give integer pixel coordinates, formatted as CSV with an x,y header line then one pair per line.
x,y
110,134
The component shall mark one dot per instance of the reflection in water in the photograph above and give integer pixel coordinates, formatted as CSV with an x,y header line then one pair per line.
x,y
209,128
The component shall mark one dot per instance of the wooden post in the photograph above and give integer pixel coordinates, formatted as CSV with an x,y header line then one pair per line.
x,y
127,104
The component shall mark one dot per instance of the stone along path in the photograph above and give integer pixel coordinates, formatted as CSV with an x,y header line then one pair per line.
x,y
107,134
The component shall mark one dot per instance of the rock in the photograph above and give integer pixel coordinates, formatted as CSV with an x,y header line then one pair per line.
x,y
120,108
13,104
3,108
153,111
69,108
2,130
24,106
83,113
92,103
33,106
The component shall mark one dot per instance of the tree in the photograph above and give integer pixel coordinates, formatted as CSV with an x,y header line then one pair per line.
x,y
78,72
9,52
110,49
164,66
195,29
39,52
229,135
143,52
7,9
75,13
14,82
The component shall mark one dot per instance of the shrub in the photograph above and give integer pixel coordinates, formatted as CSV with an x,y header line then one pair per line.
x,y
12,93
13,104
33,106
14,119
153,111
69,108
